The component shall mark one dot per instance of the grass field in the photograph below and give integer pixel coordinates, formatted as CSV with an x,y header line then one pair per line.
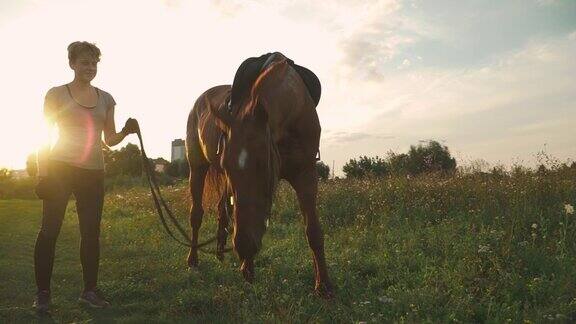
x,y
430,249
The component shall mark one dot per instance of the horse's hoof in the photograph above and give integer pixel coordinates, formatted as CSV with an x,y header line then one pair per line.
x,y
247,274
249,277
192,264
324,291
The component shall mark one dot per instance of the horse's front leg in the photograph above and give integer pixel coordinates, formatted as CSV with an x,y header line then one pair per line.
x,y
306,187
196,181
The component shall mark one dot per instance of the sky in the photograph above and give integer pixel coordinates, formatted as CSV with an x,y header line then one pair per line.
x,y
492,80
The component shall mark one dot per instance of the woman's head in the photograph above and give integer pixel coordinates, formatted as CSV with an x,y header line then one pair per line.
x,y
83,58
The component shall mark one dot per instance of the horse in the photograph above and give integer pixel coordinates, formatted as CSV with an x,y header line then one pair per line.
x,y
247,137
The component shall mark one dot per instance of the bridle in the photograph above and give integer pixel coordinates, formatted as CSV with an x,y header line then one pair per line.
x,y
272,163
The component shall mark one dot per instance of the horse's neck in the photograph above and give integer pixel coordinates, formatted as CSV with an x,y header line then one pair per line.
x,y
286,104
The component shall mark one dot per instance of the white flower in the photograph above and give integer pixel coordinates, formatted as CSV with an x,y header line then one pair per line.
x,y
569,209
386,300
534,226
483,248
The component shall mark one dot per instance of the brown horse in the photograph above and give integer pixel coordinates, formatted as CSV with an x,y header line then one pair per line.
x,y
271,132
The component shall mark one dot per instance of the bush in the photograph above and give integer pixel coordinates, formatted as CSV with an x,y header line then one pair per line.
x,y
323,170
420,159
11,188
431,157
366,166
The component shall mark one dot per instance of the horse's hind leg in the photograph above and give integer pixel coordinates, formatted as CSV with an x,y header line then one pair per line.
x,y
306,187
196,181
223,220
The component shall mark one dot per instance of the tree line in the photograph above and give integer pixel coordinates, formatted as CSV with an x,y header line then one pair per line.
x,y
431,157
428,157
423,158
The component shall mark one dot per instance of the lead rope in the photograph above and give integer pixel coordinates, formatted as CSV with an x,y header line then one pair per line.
x,y
159,202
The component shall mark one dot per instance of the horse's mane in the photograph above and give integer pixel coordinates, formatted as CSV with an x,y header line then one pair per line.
x,y
254,69
254,91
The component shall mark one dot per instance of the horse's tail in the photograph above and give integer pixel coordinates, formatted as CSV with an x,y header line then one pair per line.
x,y
214,186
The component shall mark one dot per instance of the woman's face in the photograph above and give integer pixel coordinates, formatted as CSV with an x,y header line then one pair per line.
x,y
85,67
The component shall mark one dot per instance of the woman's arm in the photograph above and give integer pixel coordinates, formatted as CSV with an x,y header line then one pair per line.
x,y
112,138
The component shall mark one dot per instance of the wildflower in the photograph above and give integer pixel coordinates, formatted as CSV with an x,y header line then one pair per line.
x,y
569,209
534,226
483,248
385,299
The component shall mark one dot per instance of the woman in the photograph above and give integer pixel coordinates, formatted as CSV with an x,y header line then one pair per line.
x,y
75,165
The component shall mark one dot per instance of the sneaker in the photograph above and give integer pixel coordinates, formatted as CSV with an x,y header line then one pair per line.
x,y
41,301
93,298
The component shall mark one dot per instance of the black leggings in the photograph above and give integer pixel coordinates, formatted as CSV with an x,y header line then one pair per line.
x,y
88,188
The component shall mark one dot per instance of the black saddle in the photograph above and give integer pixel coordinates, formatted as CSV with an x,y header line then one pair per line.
x,y
251,68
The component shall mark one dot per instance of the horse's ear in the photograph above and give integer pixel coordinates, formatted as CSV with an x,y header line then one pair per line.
x,y
223,117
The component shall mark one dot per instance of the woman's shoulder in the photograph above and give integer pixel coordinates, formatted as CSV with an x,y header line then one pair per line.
x,y
56,91
107,97
55,95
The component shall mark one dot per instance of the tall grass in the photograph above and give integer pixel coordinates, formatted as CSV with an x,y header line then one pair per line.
x,y
469,248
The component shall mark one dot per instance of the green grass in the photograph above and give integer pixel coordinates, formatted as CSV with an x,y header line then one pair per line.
x,y
462,249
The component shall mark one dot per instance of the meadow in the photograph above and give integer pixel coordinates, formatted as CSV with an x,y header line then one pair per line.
x,y
467,248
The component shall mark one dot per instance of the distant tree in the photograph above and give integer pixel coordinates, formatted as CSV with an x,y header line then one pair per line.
x,y
126,161
366,166
542,170
432,157
160,160
5,175
323,170
398,163
498,172
5,181
178,169
31,165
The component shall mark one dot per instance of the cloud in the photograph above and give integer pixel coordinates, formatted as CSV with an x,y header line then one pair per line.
x,y
506,108
547,2
368,34
343,137
405,64
228,8
541,126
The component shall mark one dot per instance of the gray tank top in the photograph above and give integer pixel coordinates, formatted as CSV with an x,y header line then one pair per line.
x,y
79,127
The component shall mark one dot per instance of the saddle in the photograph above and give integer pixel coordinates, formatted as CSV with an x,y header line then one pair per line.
x,y
251,68
247,74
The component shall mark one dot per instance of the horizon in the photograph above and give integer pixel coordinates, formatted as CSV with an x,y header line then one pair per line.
x,y
490,82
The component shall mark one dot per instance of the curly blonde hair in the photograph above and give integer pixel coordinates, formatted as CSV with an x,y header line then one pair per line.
x,y
77,48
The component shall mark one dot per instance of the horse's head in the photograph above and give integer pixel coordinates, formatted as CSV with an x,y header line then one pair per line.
x,y
250,161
